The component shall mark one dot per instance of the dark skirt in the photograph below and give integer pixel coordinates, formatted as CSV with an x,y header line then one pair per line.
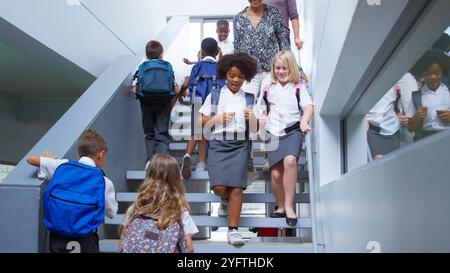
x,y
227,163
289,144
380,144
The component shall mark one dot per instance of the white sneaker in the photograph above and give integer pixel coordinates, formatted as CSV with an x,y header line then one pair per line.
x,y
186,167
252,177
146,165
223,208
266,167
235,238
201,166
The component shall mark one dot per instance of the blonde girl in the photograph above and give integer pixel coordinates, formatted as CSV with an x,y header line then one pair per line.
x,y
286,109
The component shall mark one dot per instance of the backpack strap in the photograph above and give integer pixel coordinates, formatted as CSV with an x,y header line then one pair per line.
x,y
249,100
249,103
194,89
417,101
397,91
214,81
298,89
215,96
266,91
181,243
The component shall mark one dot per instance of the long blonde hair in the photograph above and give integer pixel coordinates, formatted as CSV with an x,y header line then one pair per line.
x,y
288,58
161,195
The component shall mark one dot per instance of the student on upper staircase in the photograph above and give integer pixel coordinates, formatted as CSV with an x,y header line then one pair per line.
x,y
155,86
202,80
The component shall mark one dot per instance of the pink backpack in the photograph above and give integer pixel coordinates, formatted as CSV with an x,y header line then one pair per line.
x,y
143,236
266,90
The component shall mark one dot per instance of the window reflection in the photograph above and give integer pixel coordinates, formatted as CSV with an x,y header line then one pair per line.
x,y
416,107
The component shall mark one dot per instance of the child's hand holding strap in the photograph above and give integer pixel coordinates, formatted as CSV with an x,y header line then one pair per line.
x,y
224,118
248,114
422,113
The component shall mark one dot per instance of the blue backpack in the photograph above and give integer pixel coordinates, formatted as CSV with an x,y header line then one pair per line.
x,y
155,79
203,79
74,200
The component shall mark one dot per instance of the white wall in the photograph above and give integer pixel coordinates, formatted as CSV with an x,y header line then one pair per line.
x,y
135,22
326,23
202,7
401,202
73,32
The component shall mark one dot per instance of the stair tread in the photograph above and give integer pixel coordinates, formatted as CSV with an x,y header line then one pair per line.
x,y
255,245
203,175
210,221
209,197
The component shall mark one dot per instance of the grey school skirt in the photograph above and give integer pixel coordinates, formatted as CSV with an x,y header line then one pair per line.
x,y
380,144
227,163
289,144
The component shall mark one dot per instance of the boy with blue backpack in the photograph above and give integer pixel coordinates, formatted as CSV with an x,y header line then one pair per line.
x,y
155,87
78,195
202,80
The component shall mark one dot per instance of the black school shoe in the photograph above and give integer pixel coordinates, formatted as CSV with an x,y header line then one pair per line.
x,y
275,214
291,221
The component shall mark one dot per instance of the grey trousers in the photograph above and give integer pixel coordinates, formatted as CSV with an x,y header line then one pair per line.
x,y
155,121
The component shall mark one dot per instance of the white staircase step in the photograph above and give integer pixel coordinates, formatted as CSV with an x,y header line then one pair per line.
x,y
209,221
180,108
256,245
257,160
211,198
185,119
203,175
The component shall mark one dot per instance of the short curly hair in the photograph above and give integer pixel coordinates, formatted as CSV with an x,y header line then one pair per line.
x,y
242,61
432,57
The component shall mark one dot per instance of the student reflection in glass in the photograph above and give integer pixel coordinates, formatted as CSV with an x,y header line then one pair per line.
x,y
385,120
429,108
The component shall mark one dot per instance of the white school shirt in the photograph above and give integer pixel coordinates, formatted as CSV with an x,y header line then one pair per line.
x,y
48,167
228,103
189,227
284,111
439,100
383,114
226,46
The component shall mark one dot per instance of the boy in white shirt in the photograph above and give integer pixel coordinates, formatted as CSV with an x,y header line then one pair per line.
x,y
223,30
92,152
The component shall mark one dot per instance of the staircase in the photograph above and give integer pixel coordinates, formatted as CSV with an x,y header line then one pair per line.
x,y
181,130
